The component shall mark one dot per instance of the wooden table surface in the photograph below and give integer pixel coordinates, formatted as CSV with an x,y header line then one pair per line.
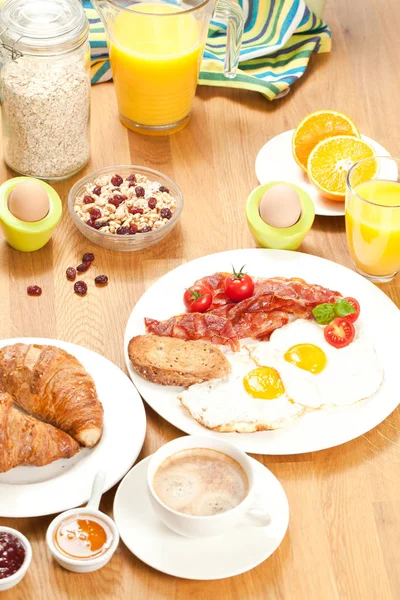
x,y
344,534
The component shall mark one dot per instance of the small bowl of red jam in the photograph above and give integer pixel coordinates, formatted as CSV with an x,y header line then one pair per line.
x,y
15,557
82,539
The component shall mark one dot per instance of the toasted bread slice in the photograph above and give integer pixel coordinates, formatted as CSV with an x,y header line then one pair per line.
x,y
171,361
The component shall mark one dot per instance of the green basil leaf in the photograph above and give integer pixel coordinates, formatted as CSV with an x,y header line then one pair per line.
x,y
344,308
324,313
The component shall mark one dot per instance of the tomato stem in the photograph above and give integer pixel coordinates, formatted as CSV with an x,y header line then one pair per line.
x,y
239,274
194,294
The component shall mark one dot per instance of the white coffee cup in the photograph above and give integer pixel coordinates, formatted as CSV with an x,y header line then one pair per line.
x,y
206,526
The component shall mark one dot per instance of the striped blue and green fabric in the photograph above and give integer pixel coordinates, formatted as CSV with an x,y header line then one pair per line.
x,y
279,38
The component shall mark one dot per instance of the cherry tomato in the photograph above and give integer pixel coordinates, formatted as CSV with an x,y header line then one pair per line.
x,y
197,298
340,332
239,286
354,316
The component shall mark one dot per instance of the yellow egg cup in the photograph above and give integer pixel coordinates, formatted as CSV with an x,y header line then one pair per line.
x,y
285,238
28,236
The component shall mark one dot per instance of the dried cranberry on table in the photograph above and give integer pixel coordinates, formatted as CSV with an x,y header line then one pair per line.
x,y
136,210
80,288
101,280
95,213
123,231
88,257
96,190
152,203
34,290
162,188
139,191
88,200
71,273
145,229
116,180
165,213
83,267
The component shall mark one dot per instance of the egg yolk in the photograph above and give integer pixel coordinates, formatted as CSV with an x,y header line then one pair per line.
x,y
264,383
307,357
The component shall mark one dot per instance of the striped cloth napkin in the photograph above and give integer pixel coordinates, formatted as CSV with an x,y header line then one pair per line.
x,y
279,38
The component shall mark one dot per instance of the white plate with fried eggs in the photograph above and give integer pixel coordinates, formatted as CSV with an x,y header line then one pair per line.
x,y
315,396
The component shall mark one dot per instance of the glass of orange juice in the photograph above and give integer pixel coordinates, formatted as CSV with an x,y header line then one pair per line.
x,y
156,49
373,217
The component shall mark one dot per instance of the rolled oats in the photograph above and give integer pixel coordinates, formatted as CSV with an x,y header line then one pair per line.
x,y
45,110
125,209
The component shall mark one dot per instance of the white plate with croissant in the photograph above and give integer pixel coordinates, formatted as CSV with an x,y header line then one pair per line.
x,y
65,413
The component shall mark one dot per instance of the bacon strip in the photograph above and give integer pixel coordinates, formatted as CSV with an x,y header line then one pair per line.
x,y
296,289
257,317
196,326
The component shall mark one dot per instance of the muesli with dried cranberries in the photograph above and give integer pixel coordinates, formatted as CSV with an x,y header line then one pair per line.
x,y
125,206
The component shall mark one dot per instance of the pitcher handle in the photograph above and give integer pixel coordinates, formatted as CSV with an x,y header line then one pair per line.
x,y
231,13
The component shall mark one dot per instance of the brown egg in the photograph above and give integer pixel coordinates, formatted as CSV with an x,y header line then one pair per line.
x,y
280,206
29,201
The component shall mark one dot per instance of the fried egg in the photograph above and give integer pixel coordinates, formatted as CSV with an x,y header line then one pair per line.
x,y
251,398
314,373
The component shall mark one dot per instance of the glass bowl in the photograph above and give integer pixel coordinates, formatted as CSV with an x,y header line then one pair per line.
x,y
125,243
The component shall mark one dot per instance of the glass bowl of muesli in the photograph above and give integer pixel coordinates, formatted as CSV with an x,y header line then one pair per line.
x,y
125,207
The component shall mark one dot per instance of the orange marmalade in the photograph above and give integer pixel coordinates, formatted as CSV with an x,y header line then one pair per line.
x,y
83,537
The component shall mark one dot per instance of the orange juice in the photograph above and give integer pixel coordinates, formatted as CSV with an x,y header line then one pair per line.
x,y
155,62
373,227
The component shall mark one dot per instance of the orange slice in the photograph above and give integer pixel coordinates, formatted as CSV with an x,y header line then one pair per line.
x,y
330,161
318,126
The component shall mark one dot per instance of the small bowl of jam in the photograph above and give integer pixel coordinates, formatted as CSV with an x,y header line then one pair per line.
x,y
82,539
15,557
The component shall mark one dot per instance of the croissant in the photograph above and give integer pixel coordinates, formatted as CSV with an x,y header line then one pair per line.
x,y
27,441
52,385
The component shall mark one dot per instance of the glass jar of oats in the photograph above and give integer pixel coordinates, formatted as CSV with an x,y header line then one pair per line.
x,y
45,87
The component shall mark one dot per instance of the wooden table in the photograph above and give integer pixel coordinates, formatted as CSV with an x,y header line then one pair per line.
x,y
344,533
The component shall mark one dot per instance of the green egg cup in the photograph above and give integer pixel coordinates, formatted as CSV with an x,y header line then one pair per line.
x,y
287,238
28,236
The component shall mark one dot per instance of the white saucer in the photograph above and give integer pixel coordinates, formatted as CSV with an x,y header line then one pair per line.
x,y
275,162
236,552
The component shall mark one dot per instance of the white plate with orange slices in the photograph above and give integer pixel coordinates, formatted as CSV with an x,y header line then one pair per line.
x,y
286,156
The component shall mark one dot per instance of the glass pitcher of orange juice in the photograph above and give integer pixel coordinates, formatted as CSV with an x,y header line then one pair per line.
x,y
156,49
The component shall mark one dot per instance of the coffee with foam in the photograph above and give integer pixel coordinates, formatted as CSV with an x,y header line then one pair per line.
x,y
200,482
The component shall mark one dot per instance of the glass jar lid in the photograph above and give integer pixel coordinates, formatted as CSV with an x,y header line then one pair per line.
x,y
43,27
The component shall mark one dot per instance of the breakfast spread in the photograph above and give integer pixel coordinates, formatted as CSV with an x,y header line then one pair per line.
x,y
50,385
83,536
125,206
200,482
12,554
238,353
